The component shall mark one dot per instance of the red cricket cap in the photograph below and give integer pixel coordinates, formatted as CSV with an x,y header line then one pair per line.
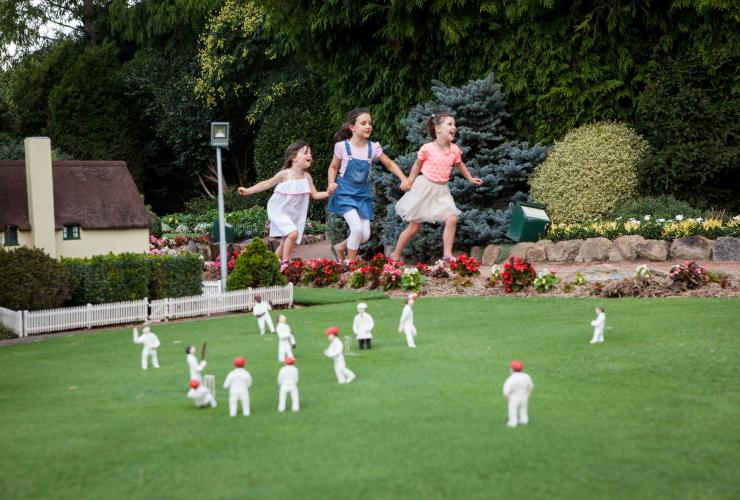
x,y
517,365
332,330
239,362
289,361
194,384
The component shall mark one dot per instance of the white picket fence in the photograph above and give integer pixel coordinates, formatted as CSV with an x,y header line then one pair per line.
x,y
25,323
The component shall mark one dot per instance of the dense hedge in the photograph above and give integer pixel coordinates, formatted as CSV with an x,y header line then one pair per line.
x,y
257,266
32,280
113,278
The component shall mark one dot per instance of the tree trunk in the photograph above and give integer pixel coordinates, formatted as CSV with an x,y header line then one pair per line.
x,y
88,22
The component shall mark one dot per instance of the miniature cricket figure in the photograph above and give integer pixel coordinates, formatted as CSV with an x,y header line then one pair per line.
x,y
517,389
261,311
598,325
196,368
286,340
406,325
288,382
151,343
201,395
334,351
238,382
363,327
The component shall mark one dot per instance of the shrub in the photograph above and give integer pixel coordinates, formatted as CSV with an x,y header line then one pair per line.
x,y
174,276
32,280
661,207
255,267
390,277
155,224
518,274
465,266
591,170
545,281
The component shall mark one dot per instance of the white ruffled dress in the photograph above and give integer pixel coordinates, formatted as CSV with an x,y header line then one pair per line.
x,y
288,207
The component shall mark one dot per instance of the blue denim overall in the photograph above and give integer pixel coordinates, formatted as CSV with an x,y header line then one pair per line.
x,y
353,189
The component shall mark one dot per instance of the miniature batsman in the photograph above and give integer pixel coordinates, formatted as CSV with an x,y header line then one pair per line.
x,y
238,382
406,326
598,325
261,311
288,382
201,395
517,389
196,369
286,340
335,351
151,343
363,327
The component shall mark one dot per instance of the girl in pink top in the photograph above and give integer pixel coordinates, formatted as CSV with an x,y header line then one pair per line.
x,y
429,199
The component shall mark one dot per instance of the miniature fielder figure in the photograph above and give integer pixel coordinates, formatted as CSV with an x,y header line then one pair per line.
x,y
598,325
334,351
288,382
406,326
261,311
151,343
196,369
517,389
238,382
363,327
286,340
201,395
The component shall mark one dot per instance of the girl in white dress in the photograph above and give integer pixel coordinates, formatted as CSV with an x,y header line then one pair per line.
x,y
288,206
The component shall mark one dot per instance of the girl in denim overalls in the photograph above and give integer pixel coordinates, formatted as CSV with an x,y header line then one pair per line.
x,y
349,173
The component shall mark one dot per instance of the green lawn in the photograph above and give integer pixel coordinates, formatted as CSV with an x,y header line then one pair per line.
x,y
651,413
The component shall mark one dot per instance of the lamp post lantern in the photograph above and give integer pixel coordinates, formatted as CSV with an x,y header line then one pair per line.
x,y
219,139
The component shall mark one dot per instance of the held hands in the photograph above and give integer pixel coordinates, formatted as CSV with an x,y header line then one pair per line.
x,y
331,188
243,191
476,180
406,184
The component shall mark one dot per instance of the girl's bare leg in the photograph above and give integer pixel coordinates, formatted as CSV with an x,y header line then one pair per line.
x,y
448,236
341,250
404,238
288,243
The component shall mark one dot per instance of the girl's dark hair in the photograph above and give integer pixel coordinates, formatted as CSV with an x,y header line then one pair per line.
x,y
435,120
292,151
344,132
187,349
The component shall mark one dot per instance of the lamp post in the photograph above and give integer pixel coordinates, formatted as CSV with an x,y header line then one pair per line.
x,y
219,139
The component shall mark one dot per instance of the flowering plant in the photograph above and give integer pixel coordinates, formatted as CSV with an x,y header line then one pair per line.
x,y
321,272
293,270
390,277
688,275
580,279
358,277
423,268
518,274
438,270
412,279
643,272
545,280
465,266
495,277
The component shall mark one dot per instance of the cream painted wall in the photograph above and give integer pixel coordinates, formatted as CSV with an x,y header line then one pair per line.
x,y
101,241
40,191
25,238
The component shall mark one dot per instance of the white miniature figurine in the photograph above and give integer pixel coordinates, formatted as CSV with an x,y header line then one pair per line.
x,y
363,327
238,382
286,340
288,382
261,311
151,343
196,369
517,389
201,395
334,351
406,326
598,325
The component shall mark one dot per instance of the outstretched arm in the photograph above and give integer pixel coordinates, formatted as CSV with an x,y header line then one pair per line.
x,y
393,168
264,185
464,171
319,195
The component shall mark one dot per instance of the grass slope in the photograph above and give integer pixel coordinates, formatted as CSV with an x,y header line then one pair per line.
x,y
652,413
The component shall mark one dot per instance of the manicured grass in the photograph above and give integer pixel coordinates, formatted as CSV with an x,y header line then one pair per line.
x,y
651,413
322,296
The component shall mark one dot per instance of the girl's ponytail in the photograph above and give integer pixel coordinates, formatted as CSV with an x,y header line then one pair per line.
x,y
345,132
434,120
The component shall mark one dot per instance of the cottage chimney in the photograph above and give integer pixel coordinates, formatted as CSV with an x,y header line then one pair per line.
x,y
40,190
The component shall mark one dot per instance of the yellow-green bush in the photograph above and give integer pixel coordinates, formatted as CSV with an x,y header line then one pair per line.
x,y
589,171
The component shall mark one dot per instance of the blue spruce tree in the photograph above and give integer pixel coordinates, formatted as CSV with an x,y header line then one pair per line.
x,y
483,134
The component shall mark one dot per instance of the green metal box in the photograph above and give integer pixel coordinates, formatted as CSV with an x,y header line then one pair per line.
x,y
228,229
528,222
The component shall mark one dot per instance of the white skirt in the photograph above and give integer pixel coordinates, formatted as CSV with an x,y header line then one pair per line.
x,y
426,201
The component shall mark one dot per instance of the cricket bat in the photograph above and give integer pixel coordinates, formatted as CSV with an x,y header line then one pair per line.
x,y
203,351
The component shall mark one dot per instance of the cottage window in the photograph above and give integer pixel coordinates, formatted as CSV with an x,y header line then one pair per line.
x,y
10,236
71,232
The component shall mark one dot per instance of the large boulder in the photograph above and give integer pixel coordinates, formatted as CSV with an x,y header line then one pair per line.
x,y
726,248
490,255
538,252
691,248
476,252
626,246
653,250
563,251
520,250
594,249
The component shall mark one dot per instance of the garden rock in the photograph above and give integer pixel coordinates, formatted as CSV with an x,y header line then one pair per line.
x,y
519,251
490,255
563,251
627,247
615,255
476,252
594,249
691,248
656,250
538,252
604,272
726,248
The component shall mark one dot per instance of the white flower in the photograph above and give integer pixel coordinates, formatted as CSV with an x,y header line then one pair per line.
x,y
699,219
661,221
679,217
737,217
647,217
